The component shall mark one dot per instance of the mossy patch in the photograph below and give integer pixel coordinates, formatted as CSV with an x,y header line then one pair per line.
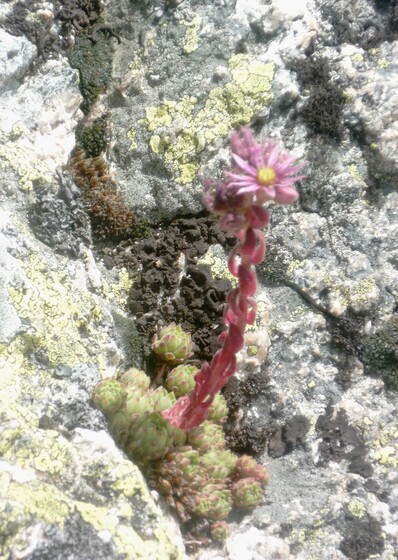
x,y
322,113
92,137
94,62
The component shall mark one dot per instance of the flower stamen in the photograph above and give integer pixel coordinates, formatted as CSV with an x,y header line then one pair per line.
x,y
266,176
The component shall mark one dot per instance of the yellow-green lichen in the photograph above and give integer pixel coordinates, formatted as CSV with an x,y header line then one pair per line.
x,y
118,290
168,112
357,57
17,130
63,319
358,293
374,51
22,160
219,267
108,519
294,265
131,137
348,97
385,449
16,378
126,482
362,290
355,174
307,537
298,312
38,501
46,453
191,38
181,131
356,507
383,63
252,350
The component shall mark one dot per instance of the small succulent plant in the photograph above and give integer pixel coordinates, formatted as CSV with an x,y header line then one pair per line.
x,y
247,467
150,439
180,380
207,436
172,344
196,472
219,464
136,378
109,396
247,493
219,531
218,410
214,503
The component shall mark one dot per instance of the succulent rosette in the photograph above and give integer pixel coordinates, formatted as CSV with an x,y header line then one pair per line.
x,y
247,467
180,380
150,439
219,464
109,396
172,344
218,410
119,425
207,436
161,399
179,436
185,459
247,493
137,405
214,503
135,378
219,531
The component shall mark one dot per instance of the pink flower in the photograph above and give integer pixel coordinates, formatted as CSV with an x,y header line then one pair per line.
x,y
262,170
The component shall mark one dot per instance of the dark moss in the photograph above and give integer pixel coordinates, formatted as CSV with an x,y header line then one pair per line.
x,y
288,437
379,353
272,271
92,137
341,441
244,431
141,229
363,537
94,62
322,113
70,16
364,27
389,9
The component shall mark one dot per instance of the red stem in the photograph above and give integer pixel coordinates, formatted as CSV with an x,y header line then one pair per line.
x,y
191,410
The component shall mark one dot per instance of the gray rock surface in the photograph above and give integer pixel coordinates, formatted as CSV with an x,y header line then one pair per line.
x,y
322,78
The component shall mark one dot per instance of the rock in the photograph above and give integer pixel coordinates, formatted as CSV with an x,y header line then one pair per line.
x,y
321,78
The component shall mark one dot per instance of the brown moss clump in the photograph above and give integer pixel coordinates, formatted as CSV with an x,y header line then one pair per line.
x,y
109,215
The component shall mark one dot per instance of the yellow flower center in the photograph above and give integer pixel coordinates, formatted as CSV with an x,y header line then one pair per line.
x,y
266,176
